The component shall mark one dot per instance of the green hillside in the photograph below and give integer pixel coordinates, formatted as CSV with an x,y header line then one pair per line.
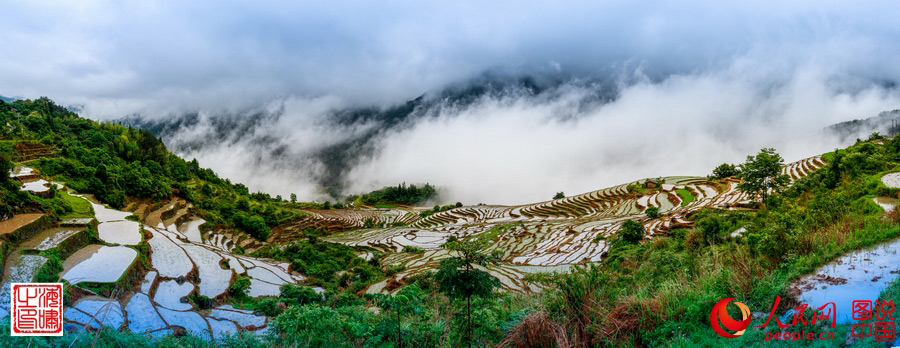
x,y
119,165
649,290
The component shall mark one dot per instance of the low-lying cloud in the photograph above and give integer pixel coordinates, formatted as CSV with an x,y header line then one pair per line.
x,y
696,84
517,149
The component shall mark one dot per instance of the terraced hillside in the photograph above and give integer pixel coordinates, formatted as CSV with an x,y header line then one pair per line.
x,y
160,247
550,235
148,259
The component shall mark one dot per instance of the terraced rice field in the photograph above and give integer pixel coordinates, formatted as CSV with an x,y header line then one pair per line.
x,y
541,237
170,292
886,203
161,304
169,259
36,186
558,233
183,261
891,180
49,239
120,232
98,263
96,312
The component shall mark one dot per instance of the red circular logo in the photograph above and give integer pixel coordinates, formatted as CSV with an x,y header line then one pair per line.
x,y
719,317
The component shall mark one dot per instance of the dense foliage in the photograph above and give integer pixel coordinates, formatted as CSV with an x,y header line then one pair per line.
x,y
724,170
116,164
660,292
11,198
400,194
16,201
761,174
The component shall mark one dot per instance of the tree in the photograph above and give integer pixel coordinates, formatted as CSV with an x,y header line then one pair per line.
x,y
762,173
240,287
833,174
652,212
458,278
631,232
300,295
724,170
407,300
293,198
559,195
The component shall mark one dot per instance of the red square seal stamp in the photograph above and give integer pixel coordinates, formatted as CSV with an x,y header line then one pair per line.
x,y
36,309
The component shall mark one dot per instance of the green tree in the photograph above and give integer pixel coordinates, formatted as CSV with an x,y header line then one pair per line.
x,y
293,198
301,295
559,195
631,232
833,174
724,170
240,287
652,212
762,173
458,278
407,300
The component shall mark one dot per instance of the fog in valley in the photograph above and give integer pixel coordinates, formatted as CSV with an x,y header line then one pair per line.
x,y
513,108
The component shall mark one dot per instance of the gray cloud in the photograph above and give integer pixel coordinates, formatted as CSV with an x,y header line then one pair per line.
x,y
157,57
708,77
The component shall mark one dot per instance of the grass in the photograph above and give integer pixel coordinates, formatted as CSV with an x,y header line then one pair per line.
x,y
412,249
493,233
685,286
828,157
80,207
686,197
385,206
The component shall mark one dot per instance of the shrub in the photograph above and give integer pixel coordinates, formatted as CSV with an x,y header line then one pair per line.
x,y
652,212
201,301
393,269
412,249
631,232
300,295
269,307
240,287
320,326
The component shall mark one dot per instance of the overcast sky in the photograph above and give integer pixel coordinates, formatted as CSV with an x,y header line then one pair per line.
x,y
705,82
118,57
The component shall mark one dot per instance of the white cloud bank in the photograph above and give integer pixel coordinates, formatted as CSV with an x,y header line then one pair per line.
x,y
703,82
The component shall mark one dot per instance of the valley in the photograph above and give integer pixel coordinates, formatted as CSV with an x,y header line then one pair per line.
x,y
183,254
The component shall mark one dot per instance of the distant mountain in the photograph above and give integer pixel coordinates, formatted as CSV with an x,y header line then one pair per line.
x,y
8,99
886,123
373,122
